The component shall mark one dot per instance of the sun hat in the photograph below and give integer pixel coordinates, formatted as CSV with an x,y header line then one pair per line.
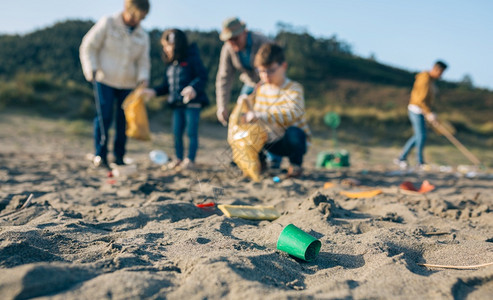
x,y
231,27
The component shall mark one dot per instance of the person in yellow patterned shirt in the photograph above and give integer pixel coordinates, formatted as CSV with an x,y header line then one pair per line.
x,y
280,105
419,108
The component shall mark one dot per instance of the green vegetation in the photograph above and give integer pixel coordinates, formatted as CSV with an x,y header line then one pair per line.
x,y
40,72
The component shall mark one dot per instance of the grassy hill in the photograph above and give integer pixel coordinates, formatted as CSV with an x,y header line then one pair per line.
x,y
40,72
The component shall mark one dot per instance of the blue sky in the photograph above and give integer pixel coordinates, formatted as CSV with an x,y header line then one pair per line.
x,y
406,34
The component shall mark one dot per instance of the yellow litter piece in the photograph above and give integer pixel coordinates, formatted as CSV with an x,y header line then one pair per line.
x,y
364,194
256,212
136,116
328,185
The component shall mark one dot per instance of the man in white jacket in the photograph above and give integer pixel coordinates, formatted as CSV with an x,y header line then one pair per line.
x,y
115,57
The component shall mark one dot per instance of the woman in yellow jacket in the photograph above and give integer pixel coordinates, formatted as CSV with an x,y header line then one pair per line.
x,y
419,108
115,57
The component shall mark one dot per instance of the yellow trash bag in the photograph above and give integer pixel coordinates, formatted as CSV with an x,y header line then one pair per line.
x,y
136,116
246,141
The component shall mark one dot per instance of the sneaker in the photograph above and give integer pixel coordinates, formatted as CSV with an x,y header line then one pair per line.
x,y
187,165
100,162
174,164
401,163
119,161
294,171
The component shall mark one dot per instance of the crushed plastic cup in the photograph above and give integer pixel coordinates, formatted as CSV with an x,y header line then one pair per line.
x,y
158,157
446,169
124,171
298,243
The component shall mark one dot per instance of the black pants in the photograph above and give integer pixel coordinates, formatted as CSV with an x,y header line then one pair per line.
x,y
292,145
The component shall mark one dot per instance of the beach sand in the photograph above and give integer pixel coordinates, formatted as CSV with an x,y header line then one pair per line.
x,y
89,236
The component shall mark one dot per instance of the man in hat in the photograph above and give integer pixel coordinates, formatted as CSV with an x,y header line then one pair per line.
x,y
237,54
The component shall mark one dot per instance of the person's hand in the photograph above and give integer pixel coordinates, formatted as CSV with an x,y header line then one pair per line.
x,y
147,93
250,116
143,83
240,99
222,115
431,117
188,94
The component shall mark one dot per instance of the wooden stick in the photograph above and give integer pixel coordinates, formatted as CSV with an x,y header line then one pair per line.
x,y
28,201
456,143
26,204
437,233
456,267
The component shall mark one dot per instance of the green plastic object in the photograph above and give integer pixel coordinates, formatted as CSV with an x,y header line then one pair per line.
x,y
322,159
332,119
332,159
338,159
298,243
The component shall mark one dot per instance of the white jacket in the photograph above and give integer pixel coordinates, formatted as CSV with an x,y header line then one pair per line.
x,y
120,58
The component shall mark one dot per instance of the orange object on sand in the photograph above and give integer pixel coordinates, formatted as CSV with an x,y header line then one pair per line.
x,y
328,185
364,194
426,187
408,186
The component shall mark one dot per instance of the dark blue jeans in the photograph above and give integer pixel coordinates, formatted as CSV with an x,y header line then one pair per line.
x,y
418,139
108,98
292,145
186,117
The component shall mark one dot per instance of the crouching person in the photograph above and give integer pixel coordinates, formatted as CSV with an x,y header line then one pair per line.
x,y
280,106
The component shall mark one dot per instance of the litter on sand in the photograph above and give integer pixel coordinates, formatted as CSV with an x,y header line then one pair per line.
x,y
124,170
328,185
205,205
256,212
426,187
363,194
298,243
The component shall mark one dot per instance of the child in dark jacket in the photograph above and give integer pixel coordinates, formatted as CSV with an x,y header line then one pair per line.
x,y
184,83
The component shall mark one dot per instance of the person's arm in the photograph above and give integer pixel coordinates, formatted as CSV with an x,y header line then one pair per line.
x,y
90,46
200,74
288,109
160,90
163,89
224,79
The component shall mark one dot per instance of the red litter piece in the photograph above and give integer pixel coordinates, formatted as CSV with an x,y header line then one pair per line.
x,y
202,205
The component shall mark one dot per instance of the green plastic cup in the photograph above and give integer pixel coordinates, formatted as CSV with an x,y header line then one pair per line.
x,y
298,243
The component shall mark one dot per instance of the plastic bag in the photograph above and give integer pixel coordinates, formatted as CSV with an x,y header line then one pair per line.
x,y
136,116
246,141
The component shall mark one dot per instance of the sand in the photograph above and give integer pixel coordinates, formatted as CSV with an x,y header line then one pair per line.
x,y
89,236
